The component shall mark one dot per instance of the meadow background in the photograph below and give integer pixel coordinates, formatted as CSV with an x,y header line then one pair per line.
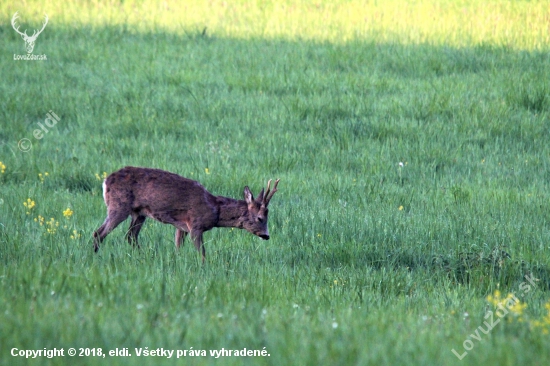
x,y
411,139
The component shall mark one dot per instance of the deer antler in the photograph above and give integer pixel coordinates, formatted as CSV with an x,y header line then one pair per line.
x,y
24,34
268,193
13,20
43,26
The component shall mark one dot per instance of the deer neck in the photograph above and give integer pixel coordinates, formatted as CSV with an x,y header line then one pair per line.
x,y
232,212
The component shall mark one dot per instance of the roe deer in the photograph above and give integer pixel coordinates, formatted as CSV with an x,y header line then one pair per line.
x,y
184,203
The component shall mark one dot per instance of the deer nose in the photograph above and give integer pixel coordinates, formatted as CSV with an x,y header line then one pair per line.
x,y
264,236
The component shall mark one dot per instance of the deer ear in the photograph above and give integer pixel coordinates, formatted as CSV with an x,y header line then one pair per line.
x,y
248,197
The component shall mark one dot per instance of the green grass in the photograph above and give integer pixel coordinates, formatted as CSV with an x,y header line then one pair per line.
x,y
370,261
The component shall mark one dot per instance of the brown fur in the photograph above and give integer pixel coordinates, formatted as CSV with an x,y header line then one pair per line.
x,y
181,202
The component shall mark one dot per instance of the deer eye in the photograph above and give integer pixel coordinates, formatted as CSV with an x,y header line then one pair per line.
x,y
261,219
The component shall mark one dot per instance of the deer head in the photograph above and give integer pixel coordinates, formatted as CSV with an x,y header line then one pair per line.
x,y
29,40
256,222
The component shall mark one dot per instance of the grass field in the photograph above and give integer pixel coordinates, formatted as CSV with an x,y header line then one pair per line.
x,y
411,140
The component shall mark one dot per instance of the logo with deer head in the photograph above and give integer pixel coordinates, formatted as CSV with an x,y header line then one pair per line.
x,y
29,40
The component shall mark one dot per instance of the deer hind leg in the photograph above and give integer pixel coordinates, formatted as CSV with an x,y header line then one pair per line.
x,y
114,218
135,227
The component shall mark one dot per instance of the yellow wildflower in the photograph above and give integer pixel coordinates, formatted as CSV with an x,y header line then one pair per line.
x,y
400,208
2,167
510,302
42,177
495,298
101,177
68,213
40,220
29,204
544,323
75,235
52,226
517,308
207,171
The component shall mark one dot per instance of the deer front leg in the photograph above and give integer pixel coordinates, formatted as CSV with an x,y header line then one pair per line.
x,y
197,240
180,237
